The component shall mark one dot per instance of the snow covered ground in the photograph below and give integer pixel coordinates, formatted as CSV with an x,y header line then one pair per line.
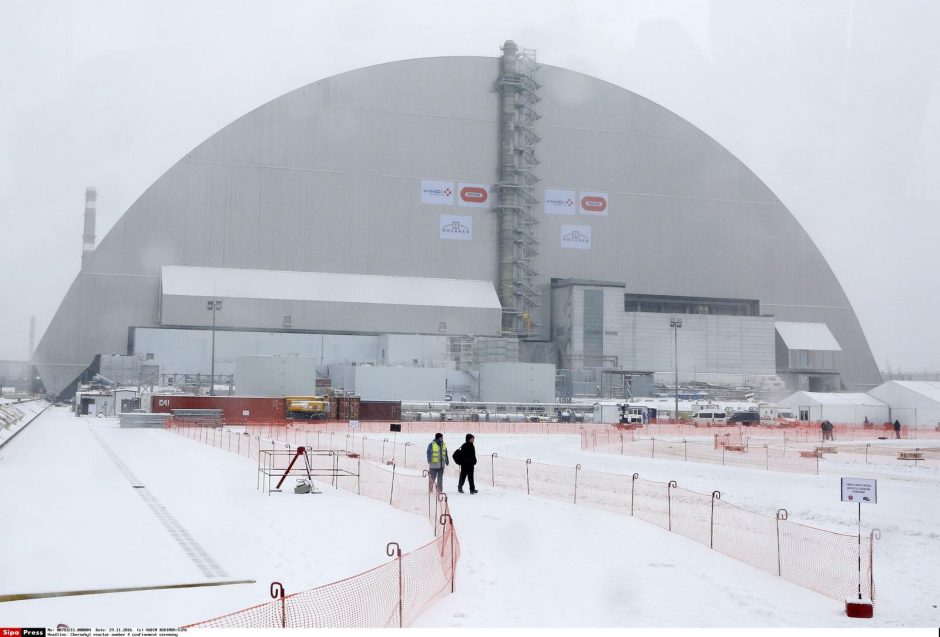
x,y
73,519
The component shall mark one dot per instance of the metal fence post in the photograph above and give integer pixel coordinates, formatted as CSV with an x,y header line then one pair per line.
x,y
653,449
405,459
527,463
669,487
277,591
396,553
716,495
384,440
493,467
445,520
391,491
685,450
621,444
633,490
577,468
866,453
781,515
874,535
767,455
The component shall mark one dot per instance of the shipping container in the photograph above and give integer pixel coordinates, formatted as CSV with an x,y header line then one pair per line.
x,y
235,409
345,408
379,410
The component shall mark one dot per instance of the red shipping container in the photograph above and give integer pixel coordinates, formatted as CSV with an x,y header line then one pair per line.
x,y
370,410
235,409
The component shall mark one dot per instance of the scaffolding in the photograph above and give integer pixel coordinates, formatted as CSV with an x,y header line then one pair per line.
x,y
518,246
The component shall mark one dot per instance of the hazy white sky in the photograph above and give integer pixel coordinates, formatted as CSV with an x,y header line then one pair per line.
x,y
835,105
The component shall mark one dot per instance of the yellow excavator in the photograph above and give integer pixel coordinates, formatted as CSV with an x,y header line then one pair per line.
x,y
308,407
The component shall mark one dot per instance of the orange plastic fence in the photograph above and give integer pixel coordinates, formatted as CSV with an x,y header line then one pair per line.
x,y
753,451
821,560
390,595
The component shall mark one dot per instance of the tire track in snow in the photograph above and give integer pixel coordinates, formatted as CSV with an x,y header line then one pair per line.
x,y
190,546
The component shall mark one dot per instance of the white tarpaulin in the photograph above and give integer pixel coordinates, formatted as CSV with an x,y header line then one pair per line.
x,y
439,193
456,227
578,237
559,202
592,203
473,195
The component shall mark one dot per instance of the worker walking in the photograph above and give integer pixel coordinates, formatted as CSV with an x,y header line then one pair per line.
x,y
466,457
437,462
897,429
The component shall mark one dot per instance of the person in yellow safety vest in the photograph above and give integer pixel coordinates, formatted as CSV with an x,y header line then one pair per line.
x,y
437,461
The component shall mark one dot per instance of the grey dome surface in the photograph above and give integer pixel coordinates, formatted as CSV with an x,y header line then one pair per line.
x,y
327,179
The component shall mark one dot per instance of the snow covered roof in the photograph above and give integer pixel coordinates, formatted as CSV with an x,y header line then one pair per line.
x,y
808,336
928,389
328,287
833,399
925,393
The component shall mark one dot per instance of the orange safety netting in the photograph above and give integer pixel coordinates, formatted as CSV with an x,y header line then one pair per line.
x,y
817,559
390,595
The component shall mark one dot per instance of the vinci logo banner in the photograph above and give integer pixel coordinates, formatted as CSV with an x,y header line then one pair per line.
x,y
578,237
593,203
456,228
473,195
559,202
439,193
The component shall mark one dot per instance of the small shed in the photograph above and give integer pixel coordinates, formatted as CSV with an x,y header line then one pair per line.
x,y
841,408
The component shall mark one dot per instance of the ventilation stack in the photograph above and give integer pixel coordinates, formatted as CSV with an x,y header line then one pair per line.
x,y
88,237
518,246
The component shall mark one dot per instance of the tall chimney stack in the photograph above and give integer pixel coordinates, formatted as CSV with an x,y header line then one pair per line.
x,y
88,237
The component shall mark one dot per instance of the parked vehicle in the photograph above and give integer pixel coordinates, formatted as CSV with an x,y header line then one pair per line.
x,y
307,407
709,418
746,418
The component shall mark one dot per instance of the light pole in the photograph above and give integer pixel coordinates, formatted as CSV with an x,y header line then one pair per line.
x,y
675,324
212,306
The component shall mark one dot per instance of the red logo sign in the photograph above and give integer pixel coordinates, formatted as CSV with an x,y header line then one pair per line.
x,y
473,194
593,204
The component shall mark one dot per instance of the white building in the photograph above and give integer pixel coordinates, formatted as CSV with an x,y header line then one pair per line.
x,y
842,408
911,402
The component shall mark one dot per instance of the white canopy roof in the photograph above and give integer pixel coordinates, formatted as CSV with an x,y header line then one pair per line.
x,y
327,287
832,399
807,336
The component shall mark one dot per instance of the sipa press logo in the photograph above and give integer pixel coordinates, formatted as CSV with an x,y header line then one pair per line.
x,y
439,193
456,228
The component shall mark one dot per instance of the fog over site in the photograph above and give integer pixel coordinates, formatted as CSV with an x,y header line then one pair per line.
x,y
835,106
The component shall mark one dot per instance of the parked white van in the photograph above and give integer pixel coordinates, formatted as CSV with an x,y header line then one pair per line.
x,y
709,418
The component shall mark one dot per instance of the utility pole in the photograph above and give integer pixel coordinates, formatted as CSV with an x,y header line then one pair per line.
x,y
675,324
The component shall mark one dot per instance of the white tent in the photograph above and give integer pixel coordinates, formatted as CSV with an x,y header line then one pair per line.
x,y
911,402
839,408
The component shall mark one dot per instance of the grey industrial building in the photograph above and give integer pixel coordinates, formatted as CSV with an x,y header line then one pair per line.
x,y
499,209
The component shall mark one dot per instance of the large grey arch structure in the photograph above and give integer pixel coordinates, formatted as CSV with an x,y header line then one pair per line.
x,y
326,179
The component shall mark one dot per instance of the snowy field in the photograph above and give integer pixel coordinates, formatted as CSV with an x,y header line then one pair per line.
x,y
73,520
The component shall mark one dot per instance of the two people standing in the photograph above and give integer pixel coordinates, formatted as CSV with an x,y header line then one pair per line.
x,y
465,456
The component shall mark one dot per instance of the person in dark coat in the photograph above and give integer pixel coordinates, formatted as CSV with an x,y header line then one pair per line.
x,y
468,458
897,429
